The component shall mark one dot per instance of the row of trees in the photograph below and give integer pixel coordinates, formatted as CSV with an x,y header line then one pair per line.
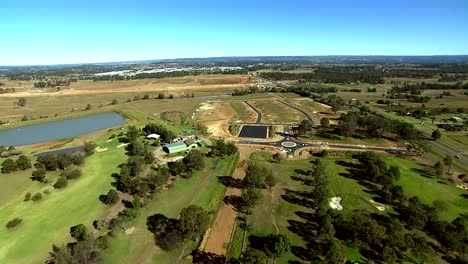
x,y
22,163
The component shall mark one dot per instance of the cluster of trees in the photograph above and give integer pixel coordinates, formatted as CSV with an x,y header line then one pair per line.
x,y
134,178
166,134
240,92
261,249
221,148
194,161
7,90
173,233
411,97
55,163
22,163
52,83
85,249
376,126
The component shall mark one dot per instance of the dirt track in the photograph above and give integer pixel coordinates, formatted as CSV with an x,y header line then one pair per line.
x,y
221,232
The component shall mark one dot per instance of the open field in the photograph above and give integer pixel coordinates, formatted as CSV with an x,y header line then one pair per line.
x,y
102,93
243,112
276,112
47,221
202,189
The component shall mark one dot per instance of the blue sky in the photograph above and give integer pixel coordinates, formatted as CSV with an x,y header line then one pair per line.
x,y
68,31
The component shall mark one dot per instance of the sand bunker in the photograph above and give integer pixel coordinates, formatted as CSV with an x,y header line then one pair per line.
x,y
380,206
109,140
335,203
99,149
122,145
461,186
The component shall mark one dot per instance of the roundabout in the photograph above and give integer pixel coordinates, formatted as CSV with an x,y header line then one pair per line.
x,y
288,144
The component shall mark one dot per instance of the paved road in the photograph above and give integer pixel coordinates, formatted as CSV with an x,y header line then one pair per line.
x,y
294,145
300,110
259,114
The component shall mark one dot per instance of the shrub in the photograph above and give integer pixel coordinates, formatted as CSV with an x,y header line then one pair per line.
x,y
23,163
36,197
13,223
8,166
74,174
27,197
61,183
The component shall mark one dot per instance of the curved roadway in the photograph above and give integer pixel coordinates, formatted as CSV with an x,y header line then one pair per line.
x,y
300,110
259,114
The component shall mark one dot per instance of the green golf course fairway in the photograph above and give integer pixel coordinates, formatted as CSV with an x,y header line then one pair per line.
x,y
48,221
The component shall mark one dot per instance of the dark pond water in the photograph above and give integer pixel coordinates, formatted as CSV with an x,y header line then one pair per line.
x,y
56,130
253,132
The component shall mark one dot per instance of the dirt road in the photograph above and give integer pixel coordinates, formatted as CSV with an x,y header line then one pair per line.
x,y
220,234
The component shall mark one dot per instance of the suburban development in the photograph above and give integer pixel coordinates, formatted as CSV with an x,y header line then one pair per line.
x,y
242,159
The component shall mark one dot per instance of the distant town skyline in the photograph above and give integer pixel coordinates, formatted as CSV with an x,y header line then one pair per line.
x,y
69,32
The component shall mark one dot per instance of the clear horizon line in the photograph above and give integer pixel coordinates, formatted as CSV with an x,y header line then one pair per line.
x,y
214,57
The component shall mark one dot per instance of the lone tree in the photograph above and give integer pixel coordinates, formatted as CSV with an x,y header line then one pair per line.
x,y
21,101
436,134
277,245
112,197
438,169
325,122
304,127
23,163
193,222
448,163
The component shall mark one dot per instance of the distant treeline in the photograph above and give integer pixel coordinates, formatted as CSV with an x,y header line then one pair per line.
x,y
307,89
160,75
332,75
417,88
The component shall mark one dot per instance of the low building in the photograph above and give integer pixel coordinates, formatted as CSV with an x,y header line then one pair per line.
x,y
181,146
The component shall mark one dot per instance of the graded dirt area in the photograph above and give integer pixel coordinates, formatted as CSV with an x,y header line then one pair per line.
x,y
216,117
176,84
221,232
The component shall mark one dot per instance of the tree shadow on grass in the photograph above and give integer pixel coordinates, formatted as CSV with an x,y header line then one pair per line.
x,y
423,172
232,182
299,198
235,201
202,257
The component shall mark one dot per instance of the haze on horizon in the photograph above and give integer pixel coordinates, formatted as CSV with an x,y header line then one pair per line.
x,y
67,32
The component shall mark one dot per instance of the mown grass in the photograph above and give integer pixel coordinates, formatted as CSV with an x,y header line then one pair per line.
x,y
417,182
47,221
271,206
241,111
202,189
